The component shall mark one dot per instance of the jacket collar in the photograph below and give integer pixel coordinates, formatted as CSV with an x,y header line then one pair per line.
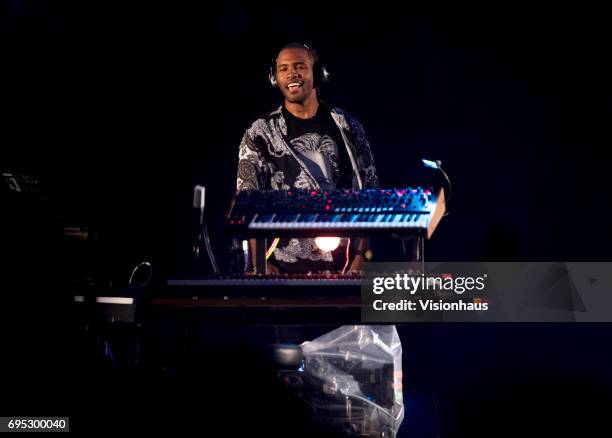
x,y
344,127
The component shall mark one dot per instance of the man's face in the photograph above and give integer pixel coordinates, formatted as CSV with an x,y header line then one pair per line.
x,y
294,74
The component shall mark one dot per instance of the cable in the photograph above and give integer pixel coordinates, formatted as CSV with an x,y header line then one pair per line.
x,y
270,250
136,269
450,187
348,247
211,256
404,250
199,198
438,166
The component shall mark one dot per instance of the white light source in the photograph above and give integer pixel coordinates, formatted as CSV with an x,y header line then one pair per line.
x,y
114,300
432,164
327,243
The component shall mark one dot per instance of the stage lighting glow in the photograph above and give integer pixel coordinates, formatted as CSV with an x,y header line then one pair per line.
x,y
327,243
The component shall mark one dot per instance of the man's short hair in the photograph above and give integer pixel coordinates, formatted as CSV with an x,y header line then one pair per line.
x,y
296,45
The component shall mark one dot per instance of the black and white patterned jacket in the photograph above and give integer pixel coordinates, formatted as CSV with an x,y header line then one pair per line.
x,y
266,159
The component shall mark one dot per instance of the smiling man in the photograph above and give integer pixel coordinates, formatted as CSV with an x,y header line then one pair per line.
x,y
305,144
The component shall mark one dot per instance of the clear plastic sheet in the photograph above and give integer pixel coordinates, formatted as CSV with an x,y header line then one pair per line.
x,y
353,380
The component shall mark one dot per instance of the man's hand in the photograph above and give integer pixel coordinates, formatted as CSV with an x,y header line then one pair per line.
x,y
273,270
362,246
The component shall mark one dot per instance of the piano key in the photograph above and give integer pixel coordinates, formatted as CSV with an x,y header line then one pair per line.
x,y
339,220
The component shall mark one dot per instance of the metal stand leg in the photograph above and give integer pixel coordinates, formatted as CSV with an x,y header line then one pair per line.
x,y
418,253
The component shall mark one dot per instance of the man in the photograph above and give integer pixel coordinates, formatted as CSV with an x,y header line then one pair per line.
x,y
305,144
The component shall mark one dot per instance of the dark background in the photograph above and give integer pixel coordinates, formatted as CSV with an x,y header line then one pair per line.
x,y
122,108
126,106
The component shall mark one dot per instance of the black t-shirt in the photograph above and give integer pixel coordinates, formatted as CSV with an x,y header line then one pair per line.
x,y
319,144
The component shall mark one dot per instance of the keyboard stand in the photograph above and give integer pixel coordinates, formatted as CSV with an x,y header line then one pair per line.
x,y
418,252
261,264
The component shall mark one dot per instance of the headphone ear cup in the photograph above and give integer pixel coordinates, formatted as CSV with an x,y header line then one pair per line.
x,y
320,73
324,75
272,79
272,73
